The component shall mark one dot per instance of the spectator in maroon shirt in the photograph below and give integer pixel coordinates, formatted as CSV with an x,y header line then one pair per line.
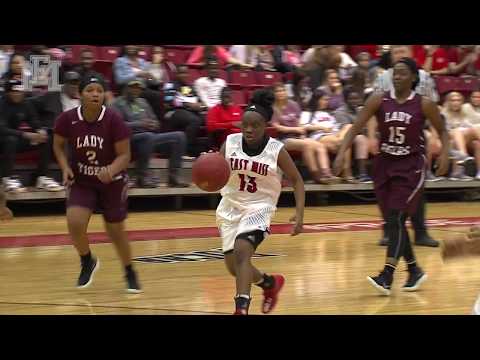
x,y
225,118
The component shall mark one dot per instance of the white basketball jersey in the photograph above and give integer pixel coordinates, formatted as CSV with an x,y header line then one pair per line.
x,y
254,180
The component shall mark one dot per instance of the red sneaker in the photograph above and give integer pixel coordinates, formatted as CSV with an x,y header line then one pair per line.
x,y
270,296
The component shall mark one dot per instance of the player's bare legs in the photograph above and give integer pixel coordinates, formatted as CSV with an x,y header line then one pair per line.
x,y
243,253
230,264
77,221
361,156
118,235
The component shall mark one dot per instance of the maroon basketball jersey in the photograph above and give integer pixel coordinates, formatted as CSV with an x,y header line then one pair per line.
x,y
401,125
91,144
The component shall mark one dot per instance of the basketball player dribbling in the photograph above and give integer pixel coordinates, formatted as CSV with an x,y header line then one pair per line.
x,y
400,167
249,200
99,142
5,213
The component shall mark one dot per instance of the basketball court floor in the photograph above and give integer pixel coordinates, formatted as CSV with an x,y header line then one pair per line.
x,y
182,272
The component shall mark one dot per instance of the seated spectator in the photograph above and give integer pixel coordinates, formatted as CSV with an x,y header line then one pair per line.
x,y
347,65
162,70
286,120
358,82
52,104
16,115
463,60
209,87
363,60
263,58
426,85
184,109
244,54
433,59
146,139
225,118
472,109
6,52
292,58
130,66
16,69
85,69
465,136
301,90
345,116
203,53
334,89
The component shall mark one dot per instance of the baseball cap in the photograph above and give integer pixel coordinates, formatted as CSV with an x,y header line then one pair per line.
x,y
72,76
136,81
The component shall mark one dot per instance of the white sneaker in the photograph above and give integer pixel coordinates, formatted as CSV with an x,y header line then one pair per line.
x,y
13,184
48,184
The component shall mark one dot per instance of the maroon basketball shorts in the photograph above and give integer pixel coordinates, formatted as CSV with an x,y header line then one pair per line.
x,y
399,181
111,198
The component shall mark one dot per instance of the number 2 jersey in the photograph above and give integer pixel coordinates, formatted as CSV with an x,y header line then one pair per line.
x,y
255,181
91,145
401,125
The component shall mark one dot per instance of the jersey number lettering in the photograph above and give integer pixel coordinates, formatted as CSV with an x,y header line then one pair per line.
x,y
396,135
91,156
251,186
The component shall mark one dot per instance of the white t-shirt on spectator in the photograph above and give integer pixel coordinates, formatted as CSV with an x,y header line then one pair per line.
x,y
209,90
321,118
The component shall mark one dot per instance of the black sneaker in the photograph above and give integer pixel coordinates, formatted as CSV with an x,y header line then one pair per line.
x,y
383,241
242,305
415,279
86,274
426,240
133,286
382,282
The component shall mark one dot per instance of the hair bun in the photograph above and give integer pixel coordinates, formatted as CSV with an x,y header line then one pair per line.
x,y
263,98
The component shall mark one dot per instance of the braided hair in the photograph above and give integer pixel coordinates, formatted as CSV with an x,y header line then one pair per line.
x,y
262,103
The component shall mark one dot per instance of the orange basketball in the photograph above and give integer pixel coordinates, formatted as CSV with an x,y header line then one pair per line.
x,y
210,172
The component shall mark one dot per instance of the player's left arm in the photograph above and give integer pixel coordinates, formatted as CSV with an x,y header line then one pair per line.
x,y
286,164
122,150
432,113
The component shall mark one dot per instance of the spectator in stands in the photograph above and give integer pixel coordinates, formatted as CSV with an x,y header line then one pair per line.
x,y
286,120
162,70
16,116
433,59
201,55
472,109
244,54
347,65
463,60
465,136
5,52
16,68
130,66
225,118
345,116
426,85
263,58
184,109
302,92
209,87
291,58
146,139
322,57
52,104
363,60
358,81
85,69
334,89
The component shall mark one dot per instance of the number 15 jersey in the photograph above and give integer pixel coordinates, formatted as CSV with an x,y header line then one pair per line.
x,y
255,181
401,125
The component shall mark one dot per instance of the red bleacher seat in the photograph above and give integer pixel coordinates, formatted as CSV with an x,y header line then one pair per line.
x,y
108,53
105,67
177,56
265,78
242,79
238,97
446,84
194,74
76,51
222,74
467,85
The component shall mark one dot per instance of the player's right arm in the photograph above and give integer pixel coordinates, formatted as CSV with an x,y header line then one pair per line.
x,y
287,165
370,109
59,143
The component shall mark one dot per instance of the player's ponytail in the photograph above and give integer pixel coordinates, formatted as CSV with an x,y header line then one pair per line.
x,y
262,103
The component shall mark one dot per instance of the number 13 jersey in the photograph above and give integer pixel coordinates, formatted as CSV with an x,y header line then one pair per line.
x,y
401,125
255,181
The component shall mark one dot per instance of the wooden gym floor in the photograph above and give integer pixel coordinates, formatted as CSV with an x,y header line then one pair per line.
x,y
325,268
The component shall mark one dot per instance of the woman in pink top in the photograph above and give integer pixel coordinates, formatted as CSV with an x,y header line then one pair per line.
x,y
202,53
285,119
